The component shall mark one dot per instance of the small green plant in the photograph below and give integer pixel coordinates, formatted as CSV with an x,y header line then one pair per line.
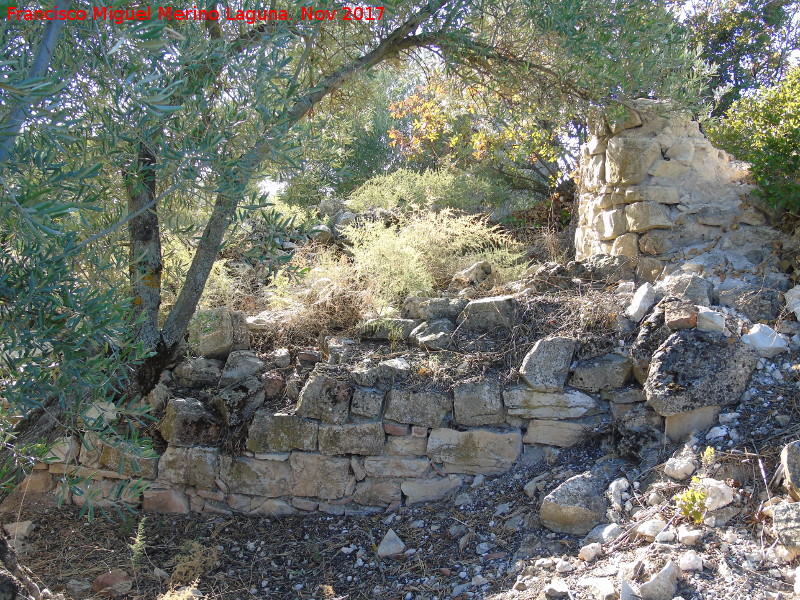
x,y
692,502
709,456
139,544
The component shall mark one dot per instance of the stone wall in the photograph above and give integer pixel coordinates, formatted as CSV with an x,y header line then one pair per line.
x,y
653,189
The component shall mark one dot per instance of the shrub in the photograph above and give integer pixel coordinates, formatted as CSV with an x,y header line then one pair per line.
x,y
438,189
764,129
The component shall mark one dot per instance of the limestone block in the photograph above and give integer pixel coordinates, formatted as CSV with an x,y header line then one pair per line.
x,y
716,216
644,216
417,408
649,269
545,367
395,466
429,309
364,439
317,476
128,464
657,242
433,335
786,518
668,169
626,245
216,332
661,194
602,373
576,506
681,426
693,369
165,501
367,402
198,372
240,364
682,152
407,445
38,482
271,507
626,395
595,173
711,320
326,399
377,492
476,451
680,315
428,490
196,466
524,402
555,433
238,402
281,433
478,403
597,145
187,422
766,341
643,300
628,159
244,475
790,462
610,224
488,314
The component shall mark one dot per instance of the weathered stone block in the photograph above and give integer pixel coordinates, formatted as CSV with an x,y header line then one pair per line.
x,y
644,216
657,193
488,314
394,466
238,402
187,422
189,466
786,518
198,372
244,475
165,501
326,399
668,169
478,403
433,335
429,309
610,224
524,402
377,492
271,507
626,245
628,159
406,445
240,364
320,476
576,506
555,433
656,242
281,433
417,408
545,367
367,402
602,373
216,332
428,490
476,451
693,369
364,439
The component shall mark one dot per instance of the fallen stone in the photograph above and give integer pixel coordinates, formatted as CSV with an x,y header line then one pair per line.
x,y
475,451
643,300
689,535
488,315
603,587
576,506
718,493
391,545
792,298
433,335
545,367
428,490
240,364
690,561
473,275
429,309
114,584
662,585
786,521
603,534
757,304
681,466
272,507
215,333
711,320
695,369
678,315
688,287
649,529
766,341
19,530
590,551
557,588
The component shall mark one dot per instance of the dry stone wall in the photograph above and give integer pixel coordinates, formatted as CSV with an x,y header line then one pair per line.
x,y
652,189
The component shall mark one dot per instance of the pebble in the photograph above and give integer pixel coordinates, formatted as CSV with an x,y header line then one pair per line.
x,y
478,581
651,528
564,566
689,535
691,562
590,551
716,433
665,536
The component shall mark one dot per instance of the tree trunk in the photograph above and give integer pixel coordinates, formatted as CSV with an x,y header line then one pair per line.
x,y
145,249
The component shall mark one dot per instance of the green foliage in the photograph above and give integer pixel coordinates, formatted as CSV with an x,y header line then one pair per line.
x,y
423,252
749,42
764,129
692,502
438,189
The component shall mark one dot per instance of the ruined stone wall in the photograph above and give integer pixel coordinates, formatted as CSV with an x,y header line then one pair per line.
x,y
654,190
